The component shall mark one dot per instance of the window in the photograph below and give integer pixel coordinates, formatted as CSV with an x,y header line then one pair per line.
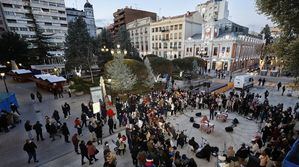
x,y
171,27
18,6
175,36
170,36
31,29
176,27
60,5
170,46
27,7
9,13
223,50
30,22
45,10
180,45
35,9
63,25
62,18
52,4
215,52
7,5
23,29
180,26
227,49
153,30
14,28
156,29
11,21
160,45
180,35
48,24
165,45
153,38
54,18
61,12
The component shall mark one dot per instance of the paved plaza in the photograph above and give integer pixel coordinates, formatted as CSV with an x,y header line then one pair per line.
x,y
58,153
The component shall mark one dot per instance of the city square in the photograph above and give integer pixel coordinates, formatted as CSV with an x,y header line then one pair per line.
x,y
148,86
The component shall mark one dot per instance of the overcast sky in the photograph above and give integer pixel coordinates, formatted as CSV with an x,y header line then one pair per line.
x,y
242,12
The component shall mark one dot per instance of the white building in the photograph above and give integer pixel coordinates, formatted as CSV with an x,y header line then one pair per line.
x,y
49,14
168,35
88,16
139,31
225,46
213,10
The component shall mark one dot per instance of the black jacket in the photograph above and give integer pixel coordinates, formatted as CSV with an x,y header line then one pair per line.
x,y
29,147
28,127
38,127
83,149
65,130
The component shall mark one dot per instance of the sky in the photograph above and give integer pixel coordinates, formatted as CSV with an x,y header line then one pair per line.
x,y
242,12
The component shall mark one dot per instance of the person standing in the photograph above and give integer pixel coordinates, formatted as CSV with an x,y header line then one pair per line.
x,y
69,92
75,141
28,128
260,81
32,97
99,133
65,131
84,153
14,108
39,96
68,108
56,116
111,125
84,119
212,109
283,90
39,131
91,151
78,125
30,148
263,82
64,112
278,86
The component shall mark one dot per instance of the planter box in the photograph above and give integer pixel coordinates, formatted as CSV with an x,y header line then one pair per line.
x,y
79,93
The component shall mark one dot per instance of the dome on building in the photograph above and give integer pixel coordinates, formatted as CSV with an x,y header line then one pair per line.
x,y
87,5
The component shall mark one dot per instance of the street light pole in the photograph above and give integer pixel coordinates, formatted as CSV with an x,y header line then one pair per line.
x,y
3,77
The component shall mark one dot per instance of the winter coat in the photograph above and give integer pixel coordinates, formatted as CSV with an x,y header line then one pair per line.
x,y
91,150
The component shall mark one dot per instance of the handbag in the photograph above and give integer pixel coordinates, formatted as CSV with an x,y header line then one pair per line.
x,y
97,151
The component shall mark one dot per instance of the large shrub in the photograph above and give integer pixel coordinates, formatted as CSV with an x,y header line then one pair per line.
x,y
186,64
161,65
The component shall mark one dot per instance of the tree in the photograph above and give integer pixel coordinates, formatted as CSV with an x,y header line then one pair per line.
x,y
104,41
78,45
123,39
267,34
121,75
150,81
285,14
13,47
41,44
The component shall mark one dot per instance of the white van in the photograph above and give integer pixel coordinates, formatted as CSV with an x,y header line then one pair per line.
x,y
243,81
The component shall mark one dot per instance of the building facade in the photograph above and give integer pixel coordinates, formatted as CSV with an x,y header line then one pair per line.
x,y
3,26
127,15
213,10
168,35
87,14
139,31
227,50
50,15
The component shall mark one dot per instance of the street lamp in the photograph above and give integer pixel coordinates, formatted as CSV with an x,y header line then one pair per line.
x,y
109,81
3,77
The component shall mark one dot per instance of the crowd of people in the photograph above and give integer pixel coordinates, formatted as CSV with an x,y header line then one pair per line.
x,y
150,138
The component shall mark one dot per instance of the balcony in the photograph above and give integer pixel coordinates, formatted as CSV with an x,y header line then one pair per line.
x,y
165,39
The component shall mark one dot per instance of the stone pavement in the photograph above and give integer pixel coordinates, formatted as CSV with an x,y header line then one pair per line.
x,y
58,153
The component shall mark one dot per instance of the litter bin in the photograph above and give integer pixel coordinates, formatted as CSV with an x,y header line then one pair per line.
x,y
264,72
274,73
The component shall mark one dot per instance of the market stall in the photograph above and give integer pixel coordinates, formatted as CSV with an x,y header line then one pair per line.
x,y
49,82
21,75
